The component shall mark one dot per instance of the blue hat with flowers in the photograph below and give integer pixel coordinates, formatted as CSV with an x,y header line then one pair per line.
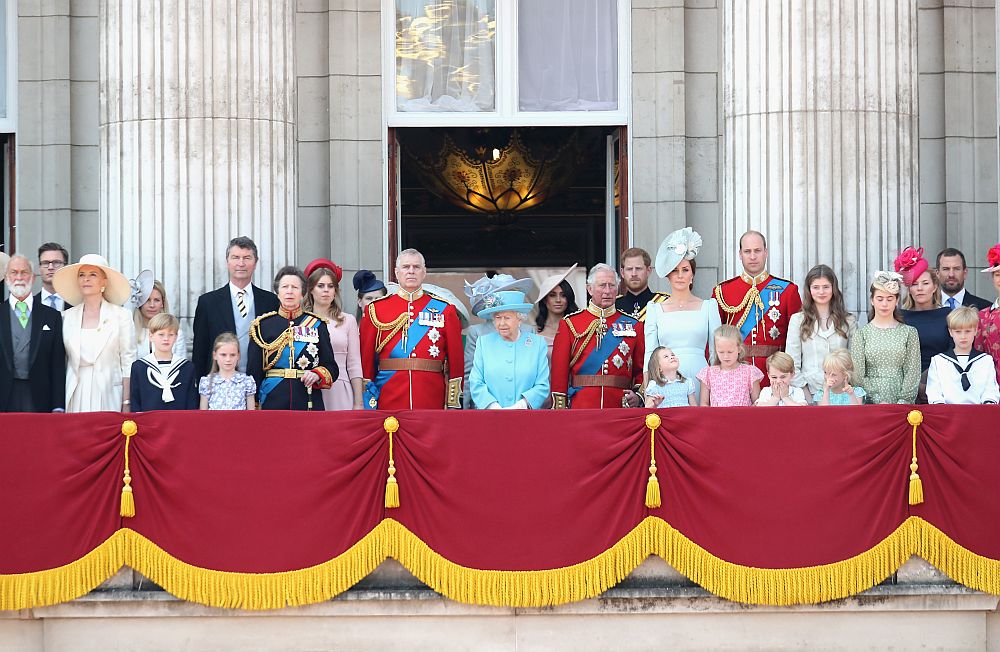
x,y
505,301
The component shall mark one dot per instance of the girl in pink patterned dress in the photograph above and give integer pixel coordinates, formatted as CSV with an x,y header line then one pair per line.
x,y
728,382
988,333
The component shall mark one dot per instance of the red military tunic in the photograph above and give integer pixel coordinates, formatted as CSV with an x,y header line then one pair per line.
x,y
588,372
760,307
411,347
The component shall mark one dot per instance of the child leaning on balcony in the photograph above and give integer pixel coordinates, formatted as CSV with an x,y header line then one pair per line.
x,y
962,375
780,369
838,367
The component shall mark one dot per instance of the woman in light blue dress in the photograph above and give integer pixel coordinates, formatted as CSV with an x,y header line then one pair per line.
x,y
683,322
510,369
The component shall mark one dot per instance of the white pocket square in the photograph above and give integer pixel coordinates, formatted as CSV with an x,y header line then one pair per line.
x,y
46,327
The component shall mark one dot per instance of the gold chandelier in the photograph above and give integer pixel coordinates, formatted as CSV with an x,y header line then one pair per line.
x,y
498,172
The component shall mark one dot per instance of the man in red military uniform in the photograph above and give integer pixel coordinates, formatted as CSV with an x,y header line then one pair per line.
x,y
757,303
598,352
411,345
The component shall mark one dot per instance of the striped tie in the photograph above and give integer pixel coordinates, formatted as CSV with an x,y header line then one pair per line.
x,y
240,304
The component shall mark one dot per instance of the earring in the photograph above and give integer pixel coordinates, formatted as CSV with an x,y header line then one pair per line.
x,y
102,290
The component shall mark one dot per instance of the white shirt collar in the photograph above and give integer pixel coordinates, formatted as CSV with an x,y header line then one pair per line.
x,y
247,293
45,294
28,300
959,297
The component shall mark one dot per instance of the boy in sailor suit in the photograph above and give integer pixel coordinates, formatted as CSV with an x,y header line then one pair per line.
x,y
962,375
161,381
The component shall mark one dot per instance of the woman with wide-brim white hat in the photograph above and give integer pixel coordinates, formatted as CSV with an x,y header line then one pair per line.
x,y
683,322
99,335
556,299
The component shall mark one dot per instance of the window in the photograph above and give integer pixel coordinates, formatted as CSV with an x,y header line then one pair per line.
x,y
8,67
512,62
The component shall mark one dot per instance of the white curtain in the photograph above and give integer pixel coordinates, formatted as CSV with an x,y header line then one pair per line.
x,y
445,55
568,55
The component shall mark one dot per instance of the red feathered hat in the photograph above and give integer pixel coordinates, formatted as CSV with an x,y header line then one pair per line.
x,y
910,264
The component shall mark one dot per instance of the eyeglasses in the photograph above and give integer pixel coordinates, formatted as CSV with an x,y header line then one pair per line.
x,y
51,263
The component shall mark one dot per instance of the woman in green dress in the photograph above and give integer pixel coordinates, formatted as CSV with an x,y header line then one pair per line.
x,y
886,352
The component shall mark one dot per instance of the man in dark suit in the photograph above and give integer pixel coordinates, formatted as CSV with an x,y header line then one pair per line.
x,y
232,307
52,257
32,357
952,273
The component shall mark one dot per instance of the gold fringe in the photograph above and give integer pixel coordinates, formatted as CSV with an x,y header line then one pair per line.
x,y
958,563
534,588
64,583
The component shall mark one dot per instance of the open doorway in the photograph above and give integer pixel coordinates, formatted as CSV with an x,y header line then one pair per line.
x,y
527,201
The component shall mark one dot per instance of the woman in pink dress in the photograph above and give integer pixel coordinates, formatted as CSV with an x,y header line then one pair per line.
x,y
323,298
988,332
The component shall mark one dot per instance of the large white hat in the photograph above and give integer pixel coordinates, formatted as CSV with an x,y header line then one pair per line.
x,y
4,259
117,291
682,244
551,282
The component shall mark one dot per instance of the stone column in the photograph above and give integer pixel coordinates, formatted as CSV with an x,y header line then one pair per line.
x,y
197,136
821,134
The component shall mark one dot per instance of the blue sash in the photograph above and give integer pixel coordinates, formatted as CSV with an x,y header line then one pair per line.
x,y
766,295
269,384
597,357
414,334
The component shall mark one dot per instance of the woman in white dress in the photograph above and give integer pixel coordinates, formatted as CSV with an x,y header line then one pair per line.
x,y
99,335
683,322
823,325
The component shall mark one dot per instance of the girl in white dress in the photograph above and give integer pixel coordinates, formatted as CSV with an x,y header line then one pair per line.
x,y
683,322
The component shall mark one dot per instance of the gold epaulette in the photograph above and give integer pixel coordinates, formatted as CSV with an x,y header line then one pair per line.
x,y
660,297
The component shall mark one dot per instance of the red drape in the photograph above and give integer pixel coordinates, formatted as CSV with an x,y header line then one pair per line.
x,y
512,491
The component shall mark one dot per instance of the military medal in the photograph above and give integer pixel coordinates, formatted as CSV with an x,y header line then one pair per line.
x,y
433,335
434,351
619,329
623,347
774,314
618,361
774,332
312,349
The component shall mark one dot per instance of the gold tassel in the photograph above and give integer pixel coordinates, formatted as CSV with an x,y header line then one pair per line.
x,y
127,509
391,425
652,485
915,418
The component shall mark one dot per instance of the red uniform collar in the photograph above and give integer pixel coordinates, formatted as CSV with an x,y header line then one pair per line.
x,y
601,312
410,296
290,316
755,280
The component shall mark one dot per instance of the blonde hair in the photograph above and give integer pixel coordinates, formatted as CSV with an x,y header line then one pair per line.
x,y
910,304
782,362
964,317
141,323
653,369
729,332
839,360
164,322
223,338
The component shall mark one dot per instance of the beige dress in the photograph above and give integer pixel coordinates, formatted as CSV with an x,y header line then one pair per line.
x,y
97,359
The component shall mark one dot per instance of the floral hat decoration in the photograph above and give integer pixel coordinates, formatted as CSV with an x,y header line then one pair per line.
x,y
887,282
993,258
910,263
682,244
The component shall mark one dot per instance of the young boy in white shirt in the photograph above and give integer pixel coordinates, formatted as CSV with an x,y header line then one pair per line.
x,y
962,375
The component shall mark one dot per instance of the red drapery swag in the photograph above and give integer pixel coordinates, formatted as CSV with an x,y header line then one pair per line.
x,y
262,510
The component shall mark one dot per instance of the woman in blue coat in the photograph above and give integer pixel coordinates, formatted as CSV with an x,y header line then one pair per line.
x,y
510,369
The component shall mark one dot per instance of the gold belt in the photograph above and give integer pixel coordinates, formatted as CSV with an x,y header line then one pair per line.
x,y
286,373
